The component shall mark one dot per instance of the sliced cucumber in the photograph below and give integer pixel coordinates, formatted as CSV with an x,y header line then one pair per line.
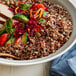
x,y
24,38
8,25
21,17
10,41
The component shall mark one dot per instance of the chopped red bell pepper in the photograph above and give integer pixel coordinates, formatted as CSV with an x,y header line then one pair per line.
x,y
23,1
38,6
18,40
3,38
20,2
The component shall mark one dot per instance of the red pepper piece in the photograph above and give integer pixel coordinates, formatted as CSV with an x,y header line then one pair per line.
x,y
38,6
3,38
18,40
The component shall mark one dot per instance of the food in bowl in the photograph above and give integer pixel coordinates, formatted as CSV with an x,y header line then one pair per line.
x,y
32,29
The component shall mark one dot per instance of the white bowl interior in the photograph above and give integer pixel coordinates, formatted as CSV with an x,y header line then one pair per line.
x,y
72,10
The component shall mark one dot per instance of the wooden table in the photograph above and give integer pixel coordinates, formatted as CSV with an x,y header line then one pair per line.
x,y
34,70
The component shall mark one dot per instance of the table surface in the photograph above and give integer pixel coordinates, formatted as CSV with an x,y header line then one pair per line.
x,y
34,70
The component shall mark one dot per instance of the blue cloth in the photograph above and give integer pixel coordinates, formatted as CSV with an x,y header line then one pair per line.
x,y
65,65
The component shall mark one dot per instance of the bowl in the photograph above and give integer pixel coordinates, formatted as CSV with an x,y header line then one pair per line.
x,y
72,10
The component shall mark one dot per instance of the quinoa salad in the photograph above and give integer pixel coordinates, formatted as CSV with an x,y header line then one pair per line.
x,y
31,29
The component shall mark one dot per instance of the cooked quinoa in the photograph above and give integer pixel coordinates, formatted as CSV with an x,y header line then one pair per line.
x,y
56,31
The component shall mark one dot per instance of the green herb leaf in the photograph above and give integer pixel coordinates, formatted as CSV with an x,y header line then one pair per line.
x,y
8,25
45,13
43,20
25,6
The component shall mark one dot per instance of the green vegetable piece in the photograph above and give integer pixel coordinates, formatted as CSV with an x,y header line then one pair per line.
x,y
8,26
45,13
24,38
12,6
8,2
25,6
10,41
16,4
43,20
2,30
13,30
38,34
21,17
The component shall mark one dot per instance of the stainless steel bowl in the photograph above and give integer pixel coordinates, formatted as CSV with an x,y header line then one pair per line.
x,y
72,10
